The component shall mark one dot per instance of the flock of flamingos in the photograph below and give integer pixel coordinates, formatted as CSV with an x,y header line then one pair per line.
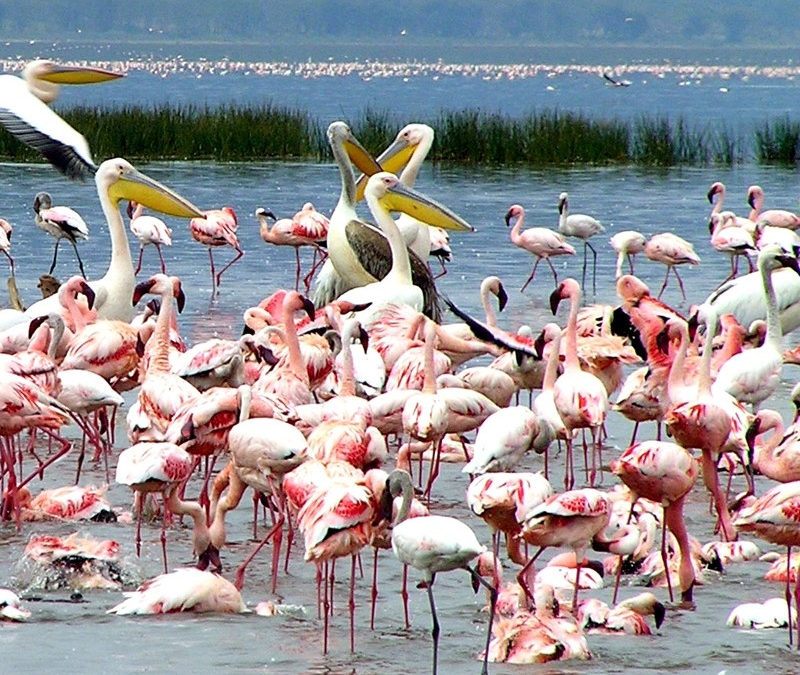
x,y
338,411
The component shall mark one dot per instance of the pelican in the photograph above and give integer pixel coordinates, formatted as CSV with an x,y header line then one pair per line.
x,y
24,113
118,180
384,193
409,149
358,254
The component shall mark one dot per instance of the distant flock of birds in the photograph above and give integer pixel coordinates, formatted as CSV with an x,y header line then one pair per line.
x,y
304,408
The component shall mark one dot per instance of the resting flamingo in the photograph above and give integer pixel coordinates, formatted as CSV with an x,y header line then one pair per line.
x,y
540,241
583,227
148,230
217,227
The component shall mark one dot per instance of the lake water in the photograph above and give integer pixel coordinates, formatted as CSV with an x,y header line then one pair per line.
x,y
65,637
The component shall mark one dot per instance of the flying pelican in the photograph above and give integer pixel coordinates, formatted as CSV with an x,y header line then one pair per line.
x,y
60,222
118,180
358,254
24,113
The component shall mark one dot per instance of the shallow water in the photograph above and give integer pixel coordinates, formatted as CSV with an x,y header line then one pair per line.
x,y
67,636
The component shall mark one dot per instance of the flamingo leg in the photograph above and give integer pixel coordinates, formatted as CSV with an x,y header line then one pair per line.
x,y
10,262
594,267
665,560
352,603
664,285
238,255
297,268
139,264
78,255
553,270
630,262
274,531
161,258
788,594
434,627
404,595
680,283
477,579
213,272
530,278
585,255
374,588
55,256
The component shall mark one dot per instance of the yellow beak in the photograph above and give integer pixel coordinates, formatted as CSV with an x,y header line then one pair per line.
x,y
415,204
393,159
60,74
133,185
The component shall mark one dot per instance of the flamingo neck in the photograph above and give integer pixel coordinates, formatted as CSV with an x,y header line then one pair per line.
x,y
40,341
704,378
293,344
571,339
491,315
620,260
429,381
245,400
201,537
159,357
675,378
756,209
347,380
400,272
551,370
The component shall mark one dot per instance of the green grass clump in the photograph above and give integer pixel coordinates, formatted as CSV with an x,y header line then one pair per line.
x,y
541,138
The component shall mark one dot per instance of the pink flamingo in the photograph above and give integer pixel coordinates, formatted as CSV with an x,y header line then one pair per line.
x,y
579,397
153,467
627,243
71,502
570,519
671,250
540,241
60,222
186,589
774,217
664,473
581,226
217,227
148,230
732,240
775,516
308,227
778,457
716,197
5,242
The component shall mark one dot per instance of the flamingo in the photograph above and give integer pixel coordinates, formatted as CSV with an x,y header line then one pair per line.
x,y
779,457
11,608
753,376
729,238
579,397
153,467
5,242
671,250
716,197
186,589
664,473
308,227
771,613
627,617
580,226
627,243
116,179
60,222
570,519
774,517
433,544
217,227
540,241
25,114
502,440
70,502
148,230
774,217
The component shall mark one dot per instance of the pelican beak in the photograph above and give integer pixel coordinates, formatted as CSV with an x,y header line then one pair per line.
x,y
61,74
89,293
134,185
360,156
393,159
142,289
401,198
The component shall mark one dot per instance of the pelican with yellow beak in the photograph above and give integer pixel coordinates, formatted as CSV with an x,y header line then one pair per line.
x,y
359,253
117,181
25,114
385,193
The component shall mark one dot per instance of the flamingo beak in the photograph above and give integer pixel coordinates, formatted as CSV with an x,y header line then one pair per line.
x,y
61,74
136,186
401,198
711,193
33,326
308,306
659,613
180,298
790,262
141,289
555,299
393,159
502,298
509,216
89,293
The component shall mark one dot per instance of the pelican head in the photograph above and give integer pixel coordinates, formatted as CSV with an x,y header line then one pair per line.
x,y
44,77
121,181
387,189
340,136
400,151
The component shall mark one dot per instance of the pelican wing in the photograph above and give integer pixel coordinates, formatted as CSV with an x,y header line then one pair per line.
x,y
32,122
372,250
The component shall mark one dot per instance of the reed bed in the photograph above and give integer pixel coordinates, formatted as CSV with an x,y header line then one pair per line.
x,y
545,138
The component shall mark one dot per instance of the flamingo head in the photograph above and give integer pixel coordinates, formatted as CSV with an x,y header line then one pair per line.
x,y
515,211
714,190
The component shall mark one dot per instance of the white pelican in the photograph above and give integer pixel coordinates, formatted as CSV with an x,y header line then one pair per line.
x,y
24,113
60,222
358,254
118,180
385,192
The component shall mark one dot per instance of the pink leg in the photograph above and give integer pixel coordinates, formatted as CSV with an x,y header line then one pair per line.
x,y
374,588
352,603
161,258
239,254
530,278
139,264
